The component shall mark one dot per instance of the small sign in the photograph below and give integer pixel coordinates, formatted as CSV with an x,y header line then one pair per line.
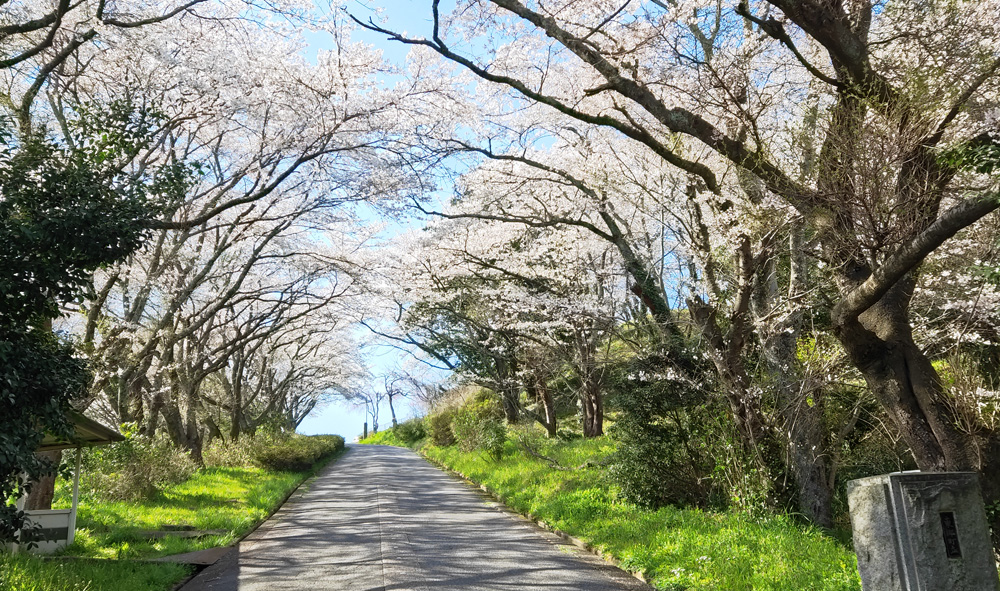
x,y
950,532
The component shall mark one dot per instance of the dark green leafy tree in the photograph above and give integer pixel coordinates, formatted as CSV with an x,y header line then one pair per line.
x,y
66,208
663,457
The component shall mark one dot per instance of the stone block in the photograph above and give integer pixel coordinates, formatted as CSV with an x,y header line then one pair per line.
x,y
922,531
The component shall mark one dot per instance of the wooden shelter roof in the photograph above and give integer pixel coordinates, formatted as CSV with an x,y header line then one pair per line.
x,y
87,433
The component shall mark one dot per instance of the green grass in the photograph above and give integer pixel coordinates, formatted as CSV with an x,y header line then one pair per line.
x,y
230,499
675,549
384,437
32,573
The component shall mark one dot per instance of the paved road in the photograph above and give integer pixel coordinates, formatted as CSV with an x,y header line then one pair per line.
x,y
382,518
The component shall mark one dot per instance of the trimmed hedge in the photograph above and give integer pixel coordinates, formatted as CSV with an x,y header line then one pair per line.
x,y
297,453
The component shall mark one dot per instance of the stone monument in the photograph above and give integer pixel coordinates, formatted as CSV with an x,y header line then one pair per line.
x,y
922,531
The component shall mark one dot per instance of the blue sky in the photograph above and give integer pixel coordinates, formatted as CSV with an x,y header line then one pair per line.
x,y
413,17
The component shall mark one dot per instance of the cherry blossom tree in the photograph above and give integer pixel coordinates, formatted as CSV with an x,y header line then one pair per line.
x,y
231,316
809,105
488,299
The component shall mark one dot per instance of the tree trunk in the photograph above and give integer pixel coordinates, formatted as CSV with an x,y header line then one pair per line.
x,y
43,489
989,479
172,421
550,412
214,432
744,405
509,388
803,424
801,413
193,438
880,344
511,409
592,407
153,416
540,392
234,388
726,353
194,447
392,411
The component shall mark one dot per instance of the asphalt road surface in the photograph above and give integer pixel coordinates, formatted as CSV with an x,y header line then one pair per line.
x,y
383,518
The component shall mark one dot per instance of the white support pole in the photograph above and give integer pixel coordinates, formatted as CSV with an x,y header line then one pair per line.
x,y
15,548
76,498
23,498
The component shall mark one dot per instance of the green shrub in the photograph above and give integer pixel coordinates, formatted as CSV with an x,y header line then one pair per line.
x,y
272,450
666,439
221,453
137,468
411,431
479,425
297,453
439,428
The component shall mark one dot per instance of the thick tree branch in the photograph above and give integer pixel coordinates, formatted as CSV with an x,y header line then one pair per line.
x,y
676,119
250,196
829,24
151,20
531,222
52,18
24,111
961,101
646,286
911,255
56,21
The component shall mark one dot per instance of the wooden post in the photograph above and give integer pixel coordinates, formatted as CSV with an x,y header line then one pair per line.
x,y
76,498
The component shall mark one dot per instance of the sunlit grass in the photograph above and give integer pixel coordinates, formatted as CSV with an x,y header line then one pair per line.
x,y
674,548
383,437
230,499
233,500
32,573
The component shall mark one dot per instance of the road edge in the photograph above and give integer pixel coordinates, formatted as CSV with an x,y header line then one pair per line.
x,y
578,542
302,486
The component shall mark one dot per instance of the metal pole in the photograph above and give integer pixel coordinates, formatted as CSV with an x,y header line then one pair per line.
x,y
76,498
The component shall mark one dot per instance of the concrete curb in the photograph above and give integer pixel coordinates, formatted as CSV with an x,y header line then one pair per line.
x,y
579,543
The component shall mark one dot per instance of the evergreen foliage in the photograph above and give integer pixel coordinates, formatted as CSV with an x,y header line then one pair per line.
x,y
665,435
479,426
65,210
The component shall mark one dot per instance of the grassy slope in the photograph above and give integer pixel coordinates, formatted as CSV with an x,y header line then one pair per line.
x,y
384,437
674,548
232,499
